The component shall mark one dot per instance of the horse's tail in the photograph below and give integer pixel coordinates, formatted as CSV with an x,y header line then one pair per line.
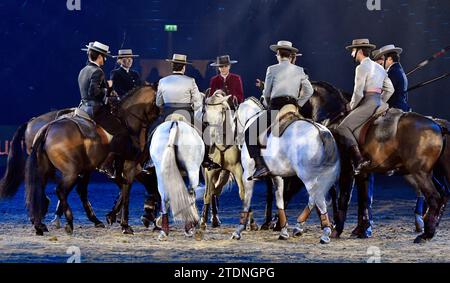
x,y
182,203
35,188
15,165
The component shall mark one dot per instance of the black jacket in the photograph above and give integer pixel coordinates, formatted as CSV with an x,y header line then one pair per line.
x,y
399,98
93,88
123,82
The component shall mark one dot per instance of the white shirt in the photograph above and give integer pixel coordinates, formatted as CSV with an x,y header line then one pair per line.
x,y
285,79
178,88
370,77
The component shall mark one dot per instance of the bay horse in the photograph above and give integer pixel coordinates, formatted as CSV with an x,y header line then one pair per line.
x,y
414,148
61,146
306,150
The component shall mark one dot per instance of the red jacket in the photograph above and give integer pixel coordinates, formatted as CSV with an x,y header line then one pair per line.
x,y
232,86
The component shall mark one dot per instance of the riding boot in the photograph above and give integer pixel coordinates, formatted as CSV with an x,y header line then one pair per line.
x,y
207,162
261,169
107,166
358,161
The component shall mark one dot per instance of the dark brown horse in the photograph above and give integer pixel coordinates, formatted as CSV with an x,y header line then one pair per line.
x,y
414,150
15,172
61,146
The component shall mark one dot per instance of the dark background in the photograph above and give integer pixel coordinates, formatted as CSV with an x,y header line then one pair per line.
x,y
41,40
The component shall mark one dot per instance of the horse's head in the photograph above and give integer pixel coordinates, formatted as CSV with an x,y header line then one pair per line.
x,y
138,108
248,110
216,107
327,102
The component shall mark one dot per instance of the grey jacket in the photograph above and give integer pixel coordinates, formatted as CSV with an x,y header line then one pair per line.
x,y
286,79
370,77
180,89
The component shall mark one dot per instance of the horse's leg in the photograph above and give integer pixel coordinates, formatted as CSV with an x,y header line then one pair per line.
x,y
111,217
269,204
345,192
246,203
211,178
292,185
62,191
424,181
82,190
164,233
222,181
125,196
364,183
299,228
279,185
190,226
321,205
152,198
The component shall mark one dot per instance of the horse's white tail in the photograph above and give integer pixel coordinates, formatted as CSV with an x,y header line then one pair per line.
x,y
182,203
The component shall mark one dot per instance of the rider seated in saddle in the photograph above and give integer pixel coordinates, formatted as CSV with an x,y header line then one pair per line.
x,y
372,89
95,94
389,58
124,78
179,94
285,84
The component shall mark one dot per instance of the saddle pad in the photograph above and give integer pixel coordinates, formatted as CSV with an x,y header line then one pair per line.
x,y
386,122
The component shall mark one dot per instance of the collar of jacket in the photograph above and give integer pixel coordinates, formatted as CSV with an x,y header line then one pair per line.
x,y
391,66
94,63
125,69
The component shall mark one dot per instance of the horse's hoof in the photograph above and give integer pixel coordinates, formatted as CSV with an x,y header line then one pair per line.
x,y
265,226
235,236
145,221
162,236
110,219
325,238
44,228
127,230
202,225
39,232
189,233
156,228
284,235
57,222
198,235
421,239
69,229
215,222
298,230
254,226
100,225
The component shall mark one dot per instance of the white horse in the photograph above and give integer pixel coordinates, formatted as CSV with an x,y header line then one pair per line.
x,y
176,147
305,149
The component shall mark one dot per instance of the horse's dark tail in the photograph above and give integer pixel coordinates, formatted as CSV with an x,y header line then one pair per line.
x,y
34,185
15,165
330,147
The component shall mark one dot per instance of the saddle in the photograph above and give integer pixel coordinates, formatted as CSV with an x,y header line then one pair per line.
x,y
285,117
85,124
385,120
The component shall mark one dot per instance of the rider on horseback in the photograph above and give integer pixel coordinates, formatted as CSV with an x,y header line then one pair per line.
x,y
372,89
95,93
285,84
179,94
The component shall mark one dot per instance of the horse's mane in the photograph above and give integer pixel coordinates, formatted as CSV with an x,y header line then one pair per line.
x,y
216,97
132,92
331,89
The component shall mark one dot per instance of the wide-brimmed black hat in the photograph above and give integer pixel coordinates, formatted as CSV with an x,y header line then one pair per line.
x,y
223,60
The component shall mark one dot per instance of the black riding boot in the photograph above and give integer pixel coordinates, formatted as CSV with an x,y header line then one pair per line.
x,y
358,161
208,163
261,169
107,166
